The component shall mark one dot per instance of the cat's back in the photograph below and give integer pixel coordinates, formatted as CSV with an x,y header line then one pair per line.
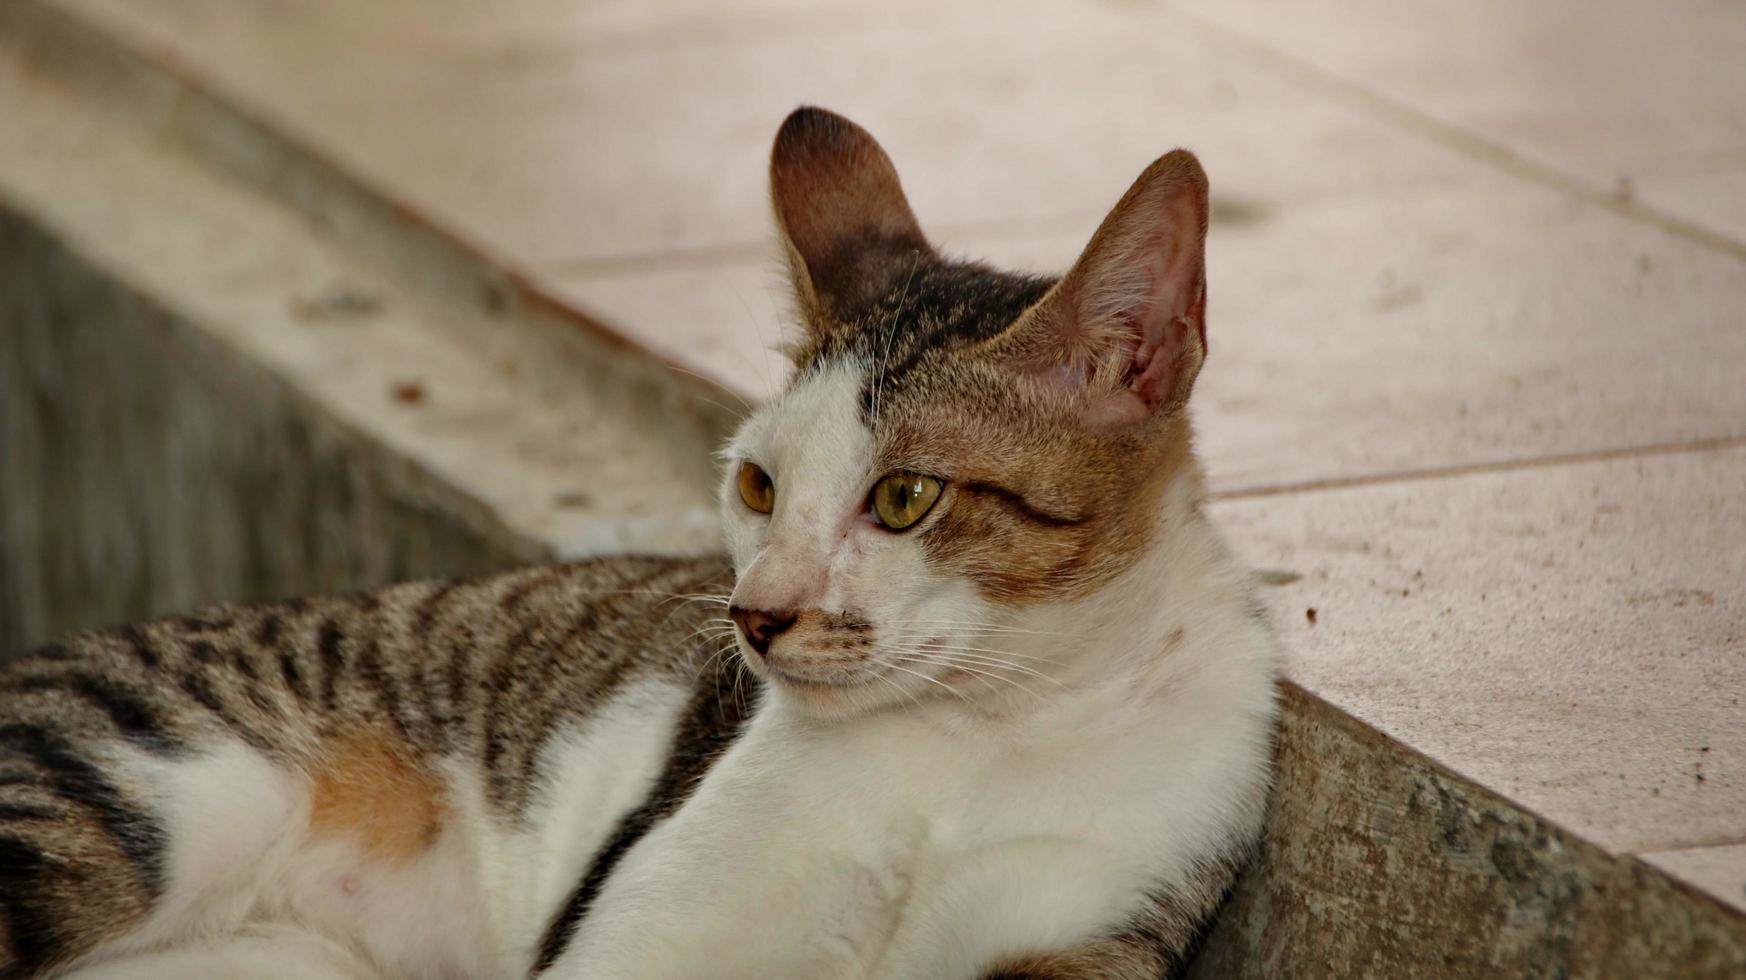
x,y
335,759
438,660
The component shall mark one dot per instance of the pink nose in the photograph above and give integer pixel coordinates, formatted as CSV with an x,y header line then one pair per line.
x,y
760,626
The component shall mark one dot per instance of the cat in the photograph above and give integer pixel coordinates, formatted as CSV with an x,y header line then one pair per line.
x,y
976,693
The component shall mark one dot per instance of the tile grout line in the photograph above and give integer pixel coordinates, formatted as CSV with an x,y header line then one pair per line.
x,y
1473,469
1454,137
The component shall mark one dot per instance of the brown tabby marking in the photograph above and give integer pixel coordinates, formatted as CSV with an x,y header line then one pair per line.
x,y
1033,516
379,683
370,789
820,632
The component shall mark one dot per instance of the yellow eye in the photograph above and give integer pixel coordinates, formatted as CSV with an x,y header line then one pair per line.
x,y
901,499
756,488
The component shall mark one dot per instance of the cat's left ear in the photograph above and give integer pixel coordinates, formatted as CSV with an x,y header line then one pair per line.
x,y
847,228
1126,327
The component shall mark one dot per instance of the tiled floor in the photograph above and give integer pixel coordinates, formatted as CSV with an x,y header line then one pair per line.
x,y
1478,275
1569,636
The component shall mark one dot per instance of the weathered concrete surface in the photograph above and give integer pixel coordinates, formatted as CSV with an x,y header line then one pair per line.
x,y
480,289
148,469
204,399
1407,870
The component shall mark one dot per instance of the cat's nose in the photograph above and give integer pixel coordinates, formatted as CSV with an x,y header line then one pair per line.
x,y
760,626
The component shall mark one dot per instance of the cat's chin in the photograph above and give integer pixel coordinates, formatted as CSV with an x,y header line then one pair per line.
x,y
835,697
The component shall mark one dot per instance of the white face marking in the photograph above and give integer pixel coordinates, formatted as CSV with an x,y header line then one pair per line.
x,y
815,447
819,550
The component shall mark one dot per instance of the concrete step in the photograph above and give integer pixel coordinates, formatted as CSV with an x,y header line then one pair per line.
x,y
205,396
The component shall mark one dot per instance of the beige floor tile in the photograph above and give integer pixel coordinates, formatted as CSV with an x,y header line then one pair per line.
x,y
578,143
1720,871
1401,332
1606,90
1573,637
723,320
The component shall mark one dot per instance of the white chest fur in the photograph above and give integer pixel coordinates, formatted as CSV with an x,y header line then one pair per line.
x,y
926,844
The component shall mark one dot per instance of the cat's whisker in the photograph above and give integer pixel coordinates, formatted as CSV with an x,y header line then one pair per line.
x,y
685,599
991,630
764,344
710,637
997,663
739,415
955,657
930,680
935,632
968,669
909,695
891,335
984,627
978,649
996,676
715,624
997,652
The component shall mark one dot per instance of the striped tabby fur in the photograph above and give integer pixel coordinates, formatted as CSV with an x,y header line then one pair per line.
x,y
1025,737
482,671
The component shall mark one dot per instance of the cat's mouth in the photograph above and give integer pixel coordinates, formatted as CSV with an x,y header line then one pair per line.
x,y
838,683
822,685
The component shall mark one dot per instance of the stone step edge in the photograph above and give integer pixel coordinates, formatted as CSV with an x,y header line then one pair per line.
x,y
178,103
1373,852
236,266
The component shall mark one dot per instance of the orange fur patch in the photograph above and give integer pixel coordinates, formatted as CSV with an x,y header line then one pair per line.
x,y
370,789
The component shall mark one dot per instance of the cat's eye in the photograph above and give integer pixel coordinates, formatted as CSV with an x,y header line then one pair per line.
x,y
756,488
901,499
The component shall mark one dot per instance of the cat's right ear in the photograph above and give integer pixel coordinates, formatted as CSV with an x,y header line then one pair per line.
x,y
1125,329
846,226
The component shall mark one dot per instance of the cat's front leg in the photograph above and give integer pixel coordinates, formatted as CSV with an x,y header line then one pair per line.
x,y
1046,909
998,904
1156,942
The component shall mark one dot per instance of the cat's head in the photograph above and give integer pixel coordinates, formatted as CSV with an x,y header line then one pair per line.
x,y
959,447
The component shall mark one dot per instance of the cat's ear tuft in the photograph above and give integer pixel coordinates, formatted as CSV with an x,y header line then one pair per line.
x,y
1127,325
846,226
